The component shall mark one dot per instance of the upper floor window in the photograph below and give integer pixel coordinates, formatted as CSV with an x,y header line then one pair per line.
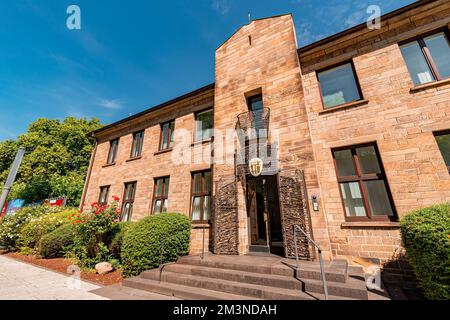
x,y
128,201
255,104
443,141
112,154
201,196
138,142
167,130
339,85
362,182
161,195
428,58
103,197
204,125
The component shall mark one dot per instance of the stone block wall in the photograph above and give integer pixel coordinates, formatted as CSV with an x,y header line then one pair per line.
x,y
398,118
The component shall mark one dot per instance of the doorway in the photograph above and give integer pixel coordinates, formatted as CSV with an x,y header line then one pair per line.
x,y
263,211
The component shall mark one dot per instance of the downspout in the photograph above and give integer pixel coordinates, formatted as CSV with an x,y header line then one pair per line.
x,y
88,177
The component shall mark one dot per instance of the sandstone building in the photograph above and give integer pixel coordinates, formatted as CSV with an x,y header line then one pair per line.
x,y
355,134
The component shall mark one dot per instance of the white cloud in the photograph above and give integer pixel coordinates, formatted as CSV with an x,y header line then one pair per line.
x,y
221,6
113,104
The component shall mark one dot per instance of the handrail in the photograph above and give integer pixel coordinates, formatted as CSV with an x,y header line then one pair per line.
x,y
161,251
319,249
203,245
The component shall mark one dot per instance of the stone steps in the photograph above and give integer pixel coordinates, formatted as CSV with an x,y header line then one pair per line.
x,y
249,277
180,291
353,288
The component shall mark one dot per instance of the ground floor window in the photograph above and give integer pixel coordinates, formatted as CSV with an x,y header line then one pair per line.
x,y
128,201
443,141
201,196
160,195
103,197
362,183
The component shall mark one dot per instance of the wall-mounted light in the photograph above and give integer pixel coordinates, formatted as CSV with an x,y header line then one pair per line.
x,y
315,201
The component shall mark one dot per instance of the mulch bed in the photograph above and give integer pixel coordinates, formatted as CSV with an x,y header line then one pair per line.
x,y
61,265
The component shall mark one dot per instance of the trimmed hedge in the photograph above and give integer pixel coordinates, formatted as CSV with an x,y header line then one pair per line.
x,y
115,238
426,238
32,232
54,244
142,243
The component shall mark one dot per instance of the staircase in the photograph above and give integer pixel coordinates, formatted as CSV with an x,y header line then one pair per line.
x,y
251,278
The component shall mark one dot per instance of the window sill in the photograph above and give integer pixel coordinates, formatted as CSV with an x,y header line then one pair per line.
x,y
163,151
370,224
430,85
134,159
197,143
108,165
344,106
200,225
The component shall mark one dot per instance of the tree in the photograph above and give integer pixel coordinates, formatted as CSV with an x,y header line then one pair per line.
x,y
56,160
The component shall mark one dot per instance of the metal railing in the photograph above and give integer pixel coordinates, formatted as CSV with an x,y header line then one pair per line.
x,y
319,249
161,252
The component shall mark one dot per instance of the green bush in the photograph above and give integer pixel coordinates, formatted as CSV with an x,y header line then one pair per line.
x,y
115,238
11,226
142,243
426,237
56,243
33,231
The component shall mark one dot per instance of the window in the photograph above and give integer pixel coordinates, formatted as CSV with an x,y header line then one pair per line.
x,y
362,182
428,58
103,197
204,125
167,130
201,196
443,141
128,201
113,146
138,142
339,85
256,106
160,195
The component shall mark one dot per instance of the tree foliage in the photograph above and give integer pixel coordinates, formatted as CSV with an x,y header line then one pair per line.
x,y
56,160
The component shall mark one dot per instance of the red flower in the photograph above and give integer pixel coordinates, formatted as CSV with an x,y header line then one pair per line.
x,y
116,199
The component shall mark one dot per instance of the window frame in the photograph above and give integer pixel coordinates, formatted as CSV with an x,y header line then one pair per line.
x,y
115,151
125,201
442,133
360,178
355,75
163,197
107,195
134,144
426,53
195,129
202,194
169,147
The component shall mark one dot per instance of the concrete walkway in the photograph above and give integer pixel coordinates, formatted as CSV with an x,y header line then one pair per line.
x,y
21,281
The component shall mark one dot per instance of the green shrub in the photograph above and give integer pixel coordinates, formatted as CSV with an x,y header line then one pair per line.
x,y
426,237
115,238
141,249
33,231
56,243
11,226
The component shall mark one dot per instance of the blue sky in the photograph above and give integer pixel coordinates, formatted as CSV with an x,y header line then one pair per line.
x,y
131,55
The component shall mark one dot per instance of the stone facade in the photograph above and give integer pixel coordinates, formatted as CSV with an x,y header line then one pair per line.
x,y
262,58
401,121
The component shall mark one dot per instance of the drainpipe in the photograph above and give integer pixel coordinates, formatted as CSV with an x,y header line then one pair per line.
x,y
88,177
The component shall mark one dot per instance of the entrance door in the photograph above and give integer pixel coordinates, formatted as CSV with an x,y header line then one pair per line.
x,y
264,213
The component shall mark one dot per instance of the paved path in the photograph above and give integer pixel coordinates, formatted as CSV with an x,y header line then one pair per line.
x,y
21,281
